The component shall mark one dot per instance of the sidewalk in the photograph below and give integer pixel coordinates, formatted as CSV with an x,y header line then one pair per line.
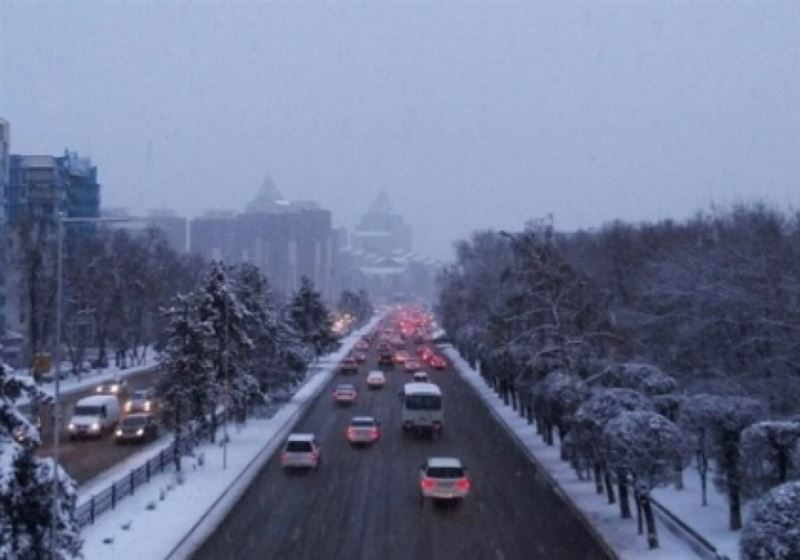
x,y
146,526
620,534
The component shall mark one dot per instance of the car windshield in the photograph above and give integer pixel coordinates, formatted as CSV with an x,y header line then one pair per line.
x,y
423,402
445,472
140,396
133,422
298,446
87,410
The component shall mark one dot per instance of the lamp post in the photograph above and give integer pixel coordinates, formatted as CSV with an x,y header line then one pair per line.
x,y
61,220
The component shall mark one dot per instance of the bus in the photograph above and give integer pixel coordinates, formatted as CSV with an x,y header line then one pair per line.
x,y
422,408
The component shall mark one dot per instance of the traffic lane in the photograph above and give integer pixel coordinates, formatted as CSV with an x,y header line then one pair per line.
x,y
84,459
364,503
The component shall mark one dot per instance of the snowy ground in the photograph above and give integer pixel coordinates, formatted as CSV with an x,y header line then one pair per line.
x,y
145,526
620,534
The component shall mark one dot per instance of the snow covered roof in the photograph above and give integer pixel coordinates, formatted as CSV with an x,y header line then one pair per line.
x,y
300,437
444,462
422,389
96,400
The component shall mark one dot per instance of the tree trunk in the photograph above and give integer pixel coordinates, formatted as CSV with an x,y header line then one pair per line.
x,y
735,507
609,486
702,469
678,475
624,506
647,507
213,427
783,464
548,432
638,501
598,478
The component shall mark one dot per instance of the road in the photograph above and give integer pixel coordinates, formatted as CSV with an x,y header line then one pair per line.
x,y
364,502
85,459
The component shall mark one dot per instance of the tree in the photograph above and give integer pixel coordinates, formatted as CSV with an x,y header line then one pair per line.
x,y
188,389
590,421
645,445
310,319
695,420
556,398
770,455
645,378
356,304
772,531
26,486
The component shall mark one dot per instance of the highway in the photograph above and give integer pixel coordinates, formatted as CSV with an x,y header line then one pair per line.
x,y
364,502
86,458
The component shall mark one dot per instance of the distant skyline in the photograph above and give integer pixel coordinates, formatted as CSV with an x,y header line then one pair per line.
x,y
470,116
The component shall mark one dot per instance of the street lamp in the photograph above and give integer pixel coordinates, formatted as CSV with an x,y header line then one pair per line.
x,y
60,221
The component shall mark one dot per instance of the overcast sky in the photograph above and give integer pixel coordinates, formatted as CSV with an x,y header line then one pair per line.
x,y
469,115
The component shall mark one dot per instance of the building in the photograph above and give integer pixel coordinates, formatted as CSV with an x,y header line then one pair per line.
x,y
285,239
174,228
4,174
382,231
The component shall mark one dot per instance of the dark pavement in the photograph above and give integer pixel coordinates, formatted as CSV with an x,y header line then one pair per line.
x,y
364,502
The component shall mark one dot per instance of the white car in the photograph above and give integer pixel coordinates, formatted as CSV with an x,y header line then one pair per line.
x,y
443,478
345,394
376,379
363,429
421,377
301,450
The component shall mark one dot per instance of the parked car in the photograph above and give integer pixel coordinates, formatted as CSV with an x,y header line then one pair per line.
x,y
376,379
345,394
301,450
116,386
443,478
348,365
142,400
93,415
136,428
363,429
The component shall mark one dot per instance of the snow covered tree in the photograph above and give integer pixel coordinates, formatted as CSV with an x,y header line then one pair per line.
x,y
590,421
726,419
772,531
356,304
188,388
26,486
645,445
645,378
695,421
310,319
770,455
556,398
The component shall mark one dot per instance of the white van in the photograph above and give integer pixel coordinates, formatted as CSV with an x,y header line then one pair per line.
x,y
93,415
422,407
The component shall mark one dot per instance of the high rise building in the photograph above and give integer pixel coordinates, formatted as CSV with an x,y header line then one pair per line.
x,y
4,173
382,231
174,228
285,239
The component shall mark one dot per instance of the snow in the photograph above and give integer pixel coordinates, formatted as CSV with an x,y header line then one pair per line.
x,y
192,509
620,534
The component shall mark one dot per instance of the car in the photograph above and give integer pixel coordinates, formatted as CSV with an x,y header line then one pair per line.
x,y
384,347
412,365
348,365
363,429
141,400
376,379
424,353
421,377
362,345
116,386
386,359
443,478
345,393
437,362
359,357
92,415
136,428
301,450
401,356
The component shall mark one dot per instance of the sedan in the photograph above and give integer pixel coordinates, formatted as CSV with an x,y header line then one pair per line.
x,y
359,357
143,400
443,478
345,394
412,365
348,365
401,356
363,429
116,387
376,379
362,345
136,428
437,362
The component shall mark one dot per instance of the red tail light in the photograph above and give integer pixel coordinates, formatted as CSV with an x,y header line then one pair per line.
x,y
351,432
462,484
373,432
426,483
284,457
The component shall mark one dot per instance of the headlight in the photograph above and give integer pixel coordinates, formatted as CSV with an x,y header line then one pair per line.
x,y
147,405
114,388
140,432
71,427
119,432
95,427
99,389
128,406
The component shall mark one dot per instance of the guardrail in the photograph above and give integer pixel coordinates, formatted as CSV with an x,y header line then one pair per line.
x,y
680,529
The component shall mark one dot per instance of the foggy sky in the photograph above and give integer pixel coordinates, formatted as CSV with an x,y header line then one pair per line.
x,y
468,115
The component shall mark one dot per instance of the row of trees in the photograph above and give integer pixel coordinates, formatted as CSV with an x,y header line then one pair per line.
x,y
356,304
577,331
229,344
115,283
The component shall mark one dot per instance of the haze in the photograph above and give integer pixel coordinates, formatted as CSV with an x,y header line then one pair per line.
x,y
468,115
